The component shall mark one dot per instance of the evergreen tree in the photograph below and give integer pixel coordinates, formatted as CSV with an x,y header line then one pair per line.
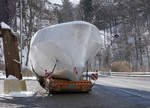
x,y
66,11
86,5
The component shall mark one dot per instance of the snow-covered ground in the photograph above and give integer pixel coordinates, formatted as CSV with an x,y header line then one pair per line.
x,y
4,25
27,93
3,76
18,94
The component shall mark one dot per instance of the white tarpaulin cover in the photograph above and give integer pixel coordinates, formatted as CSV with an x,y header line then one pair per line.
x,y
71,44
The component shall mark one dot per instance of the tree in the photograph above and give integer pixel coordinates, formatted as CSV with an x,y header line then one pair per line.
x,y
58,14
86,5
36,15
66,11
7,11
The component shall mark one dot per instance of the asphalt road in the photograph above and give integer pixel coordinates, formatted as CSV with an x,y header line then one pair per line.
x,y
108,92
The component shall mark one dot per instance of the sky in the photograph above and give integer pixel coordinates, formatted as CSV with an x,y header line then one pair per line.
x,y
59,1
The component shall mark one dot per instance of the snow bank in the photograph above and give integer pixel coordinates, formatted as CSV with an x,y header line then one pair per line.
x,y
18,94
70,44
11,77
29,78
2,76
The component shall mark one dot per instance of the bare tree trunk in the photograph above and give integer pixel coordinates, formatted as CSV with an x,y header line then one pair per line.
x,y
147,52
27,59
31,22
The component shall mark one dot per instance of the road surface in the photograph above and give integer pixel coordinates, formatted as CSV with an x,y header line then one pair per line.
x,y
108,92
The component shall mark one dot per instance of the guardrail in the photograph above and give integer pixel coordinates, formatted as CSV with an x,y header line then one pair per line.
x,y
125,73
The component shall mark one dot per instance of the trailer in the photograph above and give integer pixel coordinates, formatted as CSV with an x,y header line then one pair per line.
x,y
60,85
54,85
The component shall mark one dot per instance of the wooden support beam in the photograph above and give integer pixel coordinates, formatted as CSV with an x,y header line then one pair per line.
x,y
11,53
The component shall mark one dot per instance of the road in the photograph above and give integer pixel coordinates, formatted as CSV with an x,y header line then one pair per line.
x,y
108,92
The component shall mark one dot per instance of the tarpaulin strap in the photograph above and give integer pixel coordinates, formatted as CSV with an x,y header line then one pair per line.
x,y
34,71
48,75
